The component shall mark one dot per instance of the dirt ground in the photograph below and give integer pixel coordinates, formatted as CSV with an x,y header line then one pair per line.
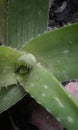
x,y
62,12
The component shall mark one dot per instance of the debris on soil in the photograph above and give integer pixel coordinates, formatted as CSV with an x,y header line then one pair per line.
x,y
62,13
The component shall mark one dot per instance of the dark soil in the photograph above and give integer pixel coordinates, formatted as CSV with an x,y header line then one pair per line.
x,y
62,12
28,114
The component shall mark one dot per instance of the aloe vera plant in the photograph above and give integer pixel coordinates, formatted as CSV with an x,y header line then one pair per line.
x,y
38,68
12,14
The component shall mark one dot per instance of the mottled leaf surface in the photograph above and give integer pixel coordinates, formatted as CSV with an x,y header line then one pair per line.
x,y
57,51
10,95
8,58
21,20
61,56
10,91
46,89
3,21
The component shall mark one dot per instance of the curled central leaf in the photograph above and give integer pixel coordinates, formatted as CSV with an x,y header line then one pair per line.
x,y
25,63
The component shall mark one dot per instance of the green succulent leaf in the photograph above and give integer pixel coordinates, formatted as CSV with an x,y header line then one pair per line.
x,y
57,51
19,22
10,95
3,21
10,91
46,89
22,20
12,63
8,58
36,80
53,50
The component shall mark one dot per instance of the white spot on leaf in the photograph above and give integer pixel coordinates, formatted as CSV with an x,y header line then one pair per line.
x,y
45,86
58,61
5,99
58,119
70,119
59,102
43,95
32,84
48,110
65,51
